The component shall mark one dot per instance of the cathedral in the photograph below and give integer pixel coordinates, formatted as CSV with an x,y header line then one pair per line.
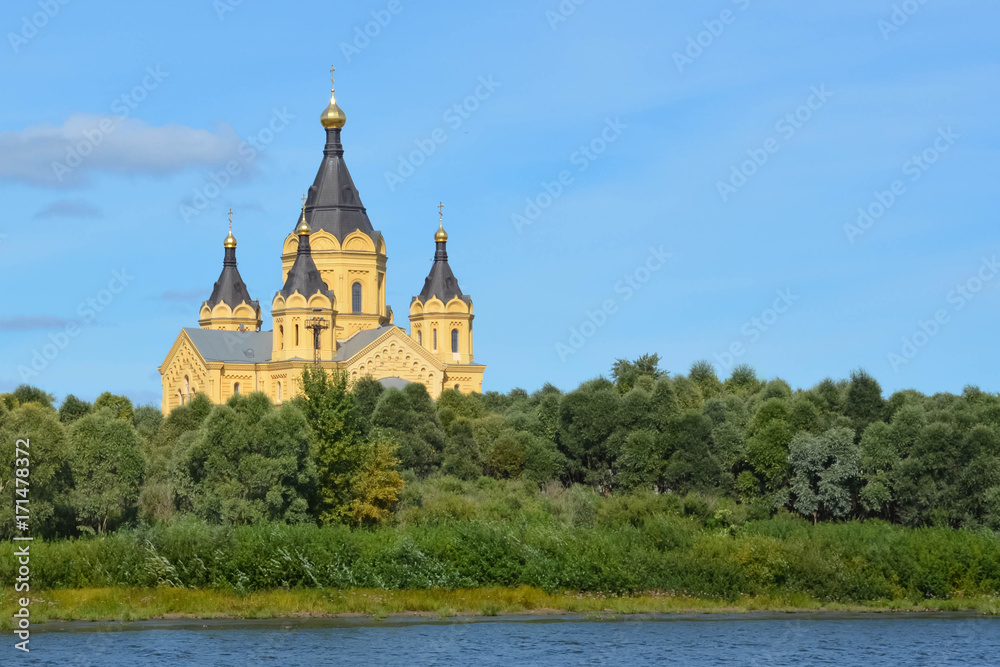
x,y
331,311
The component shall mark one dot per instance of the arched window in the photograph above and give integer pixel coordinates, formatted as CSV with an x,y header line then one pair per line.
x,y
435,340
454,341
356,298
187,386
420,338
296,335
236,388
279,392
180,396
281,337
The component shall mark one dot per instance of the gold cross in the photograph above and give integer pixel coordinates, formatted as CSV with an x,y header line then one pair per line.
x,y
230,220
332,70
441,212
303,202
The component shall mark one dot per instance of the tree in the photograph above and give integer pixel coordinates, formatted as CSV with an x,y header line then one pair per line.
x,y
587,418
410,417
50,478
879,460
26,393
462,456
703,375
332,414
73,408
108,469
121,406
825,469
864,400
743,380
691,464
376,484
249,462
366,393
627,373
641,461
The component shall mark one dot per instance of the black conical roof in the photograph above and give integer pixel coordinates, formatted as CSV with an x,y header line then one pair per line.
x,y
304,277
441,282
334,203
230,288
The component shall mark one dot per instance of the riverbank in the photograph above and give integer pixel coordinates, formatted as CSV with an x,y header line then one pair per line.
x,y
135,604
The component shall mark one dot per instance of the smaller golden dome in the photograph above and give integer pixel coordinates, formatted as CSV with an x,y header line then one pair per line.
x,y
333,116
230,240
303,229
441,236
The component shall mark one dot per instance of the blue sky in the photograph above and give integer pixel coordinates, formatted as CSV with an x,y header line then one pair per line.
x,y
740,138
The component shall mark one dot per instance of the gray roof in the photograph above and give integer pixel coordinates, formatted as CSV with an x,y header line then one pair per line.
x,y
304,277
334,203
230,288
393,382
441,282
360,341
241,347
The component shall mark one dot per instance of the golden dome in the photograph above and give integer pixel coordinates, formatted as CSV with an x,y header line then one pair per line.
x,y
441,236
230,240
303,229
333,116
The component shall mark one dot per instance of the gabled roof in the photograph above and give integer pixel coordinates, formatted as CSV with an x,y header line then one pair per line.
x,y
360,341
334,203
230,288
242,347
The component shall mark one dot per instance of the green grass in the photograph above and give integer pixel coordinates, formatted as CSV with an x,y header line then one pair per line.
x,y
132,604
489,548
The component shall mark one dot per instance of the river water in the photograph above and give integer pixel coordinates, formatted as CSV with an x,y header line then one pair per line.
x,y
764,639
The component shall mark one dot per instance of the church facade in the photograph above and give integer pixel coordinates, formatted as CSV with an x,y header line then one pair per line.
x,y
331,311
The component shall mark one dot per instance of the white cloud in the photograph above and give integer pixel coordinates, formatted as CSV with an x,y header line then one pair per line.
x,y
66,156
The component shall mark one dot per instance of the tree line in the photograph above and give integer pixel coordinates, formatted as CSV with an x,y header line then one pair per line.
x,y
342,453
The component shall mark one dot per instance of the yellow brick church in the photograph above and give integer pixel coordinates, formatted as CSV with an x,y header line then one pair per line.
x,y
331,311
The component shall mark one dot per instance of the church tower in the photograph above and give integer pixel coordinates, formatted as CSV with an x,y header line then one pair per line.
x,y
349,253
305,310
230,307
441,316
